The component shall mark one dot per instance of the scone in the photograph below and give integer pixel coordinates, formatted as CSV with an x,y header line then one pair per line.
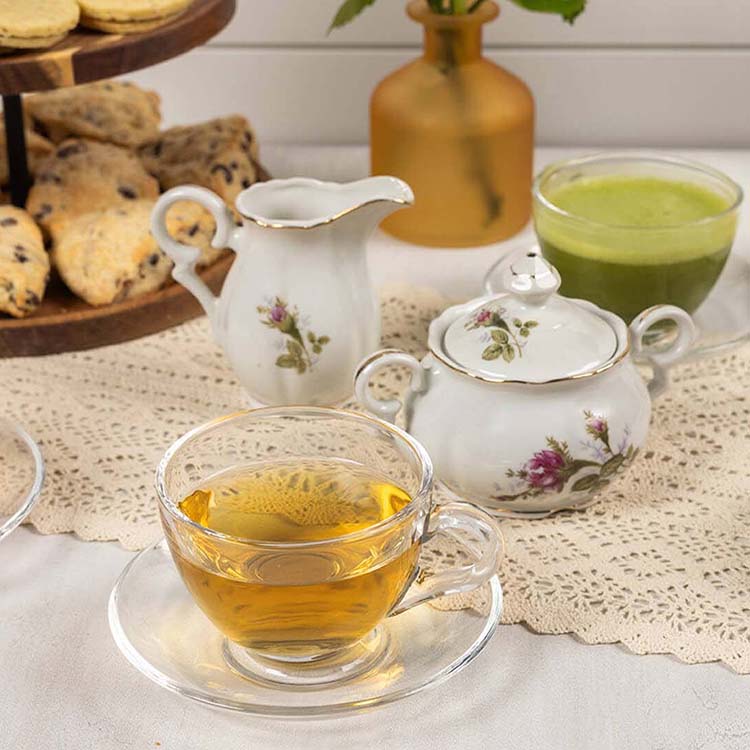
x,y
219,155
133,17
24,264
191,224
110,111
84,176
110,255
37,149
33,24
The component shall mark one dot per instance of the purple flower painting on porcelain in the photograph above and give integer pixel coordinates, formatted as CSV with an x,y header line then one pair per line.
x,y
503,339
554,468
301,349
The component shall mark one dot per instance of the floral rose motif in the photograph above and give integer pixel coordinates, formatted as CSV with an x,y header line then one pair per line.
x,y
278,313
297,356
552,468
545,470
506,341
482,317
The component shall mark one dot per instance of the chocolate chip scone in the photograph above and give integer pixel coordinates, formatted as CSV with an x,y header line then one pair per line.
x,y
219,155
110,111
108,256
24,264
37,149
191,224
84,176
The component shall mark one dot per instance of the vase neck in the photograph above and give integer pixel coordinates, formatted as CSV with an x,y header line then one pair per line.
x,y
446,46
451,40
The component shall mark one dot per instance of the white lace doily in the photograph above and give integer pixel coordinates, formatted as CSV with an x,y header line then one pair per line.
x,y
661,564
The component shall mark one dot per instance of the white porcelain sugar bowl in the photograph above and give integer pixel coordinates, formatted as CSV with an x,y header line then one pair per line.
x,y
528,402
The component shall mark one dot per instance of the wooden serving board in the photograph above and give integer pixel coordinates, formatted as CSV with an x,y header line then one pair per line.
x,y
63,323
85,55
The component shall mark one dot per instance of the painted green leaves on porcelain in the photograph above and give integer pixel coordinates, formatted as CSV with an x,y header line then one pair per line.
x,y
554,468
507,340
302,349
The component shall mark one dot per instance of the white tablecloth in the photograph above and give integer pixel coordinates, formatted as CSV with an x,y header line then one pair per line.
x,y
65,685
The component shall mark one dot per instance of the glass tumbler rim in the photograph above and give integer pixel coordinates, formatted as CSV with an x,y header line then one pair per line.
x,y
418,451
636,156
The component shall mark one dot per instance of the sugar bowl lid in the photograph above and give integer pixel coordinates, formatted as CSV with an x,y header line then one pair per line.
x,y
529,333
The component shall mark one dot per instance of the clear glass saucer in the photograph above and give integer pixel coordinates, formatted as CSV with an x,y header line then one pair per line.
x,y
723,320
21,475
163,633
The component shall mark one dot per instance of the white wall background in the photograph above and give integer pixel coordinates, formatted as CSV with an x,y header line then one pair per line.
x,y
629,72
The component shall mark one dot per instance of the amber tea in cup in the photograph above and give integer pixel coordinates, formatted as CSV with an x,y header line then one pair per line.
x,y
297,531
285,603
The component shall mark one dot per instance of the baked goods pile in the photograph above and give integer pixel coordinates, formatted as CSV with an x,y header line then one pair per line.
x,y
37,24
99,162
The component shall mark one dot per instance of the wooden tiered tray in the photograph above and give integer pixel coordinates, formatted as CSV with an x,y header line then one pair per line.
x,y
63,322
85,56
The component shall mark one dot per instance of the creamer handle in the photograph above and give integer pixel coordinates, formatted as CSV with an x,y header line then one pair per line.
x,y
371,365
661,360
186,256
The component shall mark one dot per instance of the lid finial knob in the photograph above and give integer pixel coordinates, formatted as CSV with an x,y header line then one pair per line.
x,y
532,278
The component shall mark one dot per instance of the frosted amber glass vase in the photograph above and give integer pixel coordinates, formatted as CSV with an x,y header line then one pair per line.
x,y
460,130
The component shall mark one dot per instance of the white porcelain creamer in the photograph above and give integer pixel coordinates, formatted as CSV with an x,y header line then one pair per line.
x,y
298,310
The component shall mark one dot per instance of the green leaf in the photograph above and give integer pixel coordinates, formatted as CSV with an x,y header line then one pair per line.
x,y
323,340
611,466
509,353
577,464
585,483
530,324
500,337
348,12
294,348
317,348
301,366
498,322
285,360
524,332
311,337
493,351
517,323
568,9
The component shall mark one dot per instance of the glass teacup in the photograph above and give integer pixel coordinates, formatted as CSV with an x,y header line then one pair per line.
x,y
298,530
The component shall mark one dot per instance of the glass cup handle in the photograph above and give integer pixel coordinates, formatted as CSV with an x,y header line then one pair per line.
x,y
370,366
478,534
661,360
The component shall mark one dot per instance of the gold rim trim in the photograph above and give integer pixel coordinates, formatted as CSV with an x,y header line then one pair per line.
x,y
426,481
608,365
374,357
265,224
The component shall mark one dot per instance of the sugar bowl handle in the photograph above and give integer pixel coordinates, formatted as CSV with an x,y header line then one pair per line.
x,y
186,256
661,360
370,366
478,535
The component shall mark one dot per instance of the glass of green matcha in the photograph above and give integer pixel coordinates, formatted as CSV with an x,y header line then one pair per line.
x,y
627,231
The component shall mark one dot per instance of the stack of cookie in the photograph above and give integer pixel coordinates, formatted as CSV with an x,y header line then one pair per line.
x,y
34,24
102,163
37,24
129,16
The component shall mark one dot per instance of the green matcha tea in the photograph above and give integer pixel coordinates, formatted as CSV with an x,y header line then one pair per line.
x,y
629,242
